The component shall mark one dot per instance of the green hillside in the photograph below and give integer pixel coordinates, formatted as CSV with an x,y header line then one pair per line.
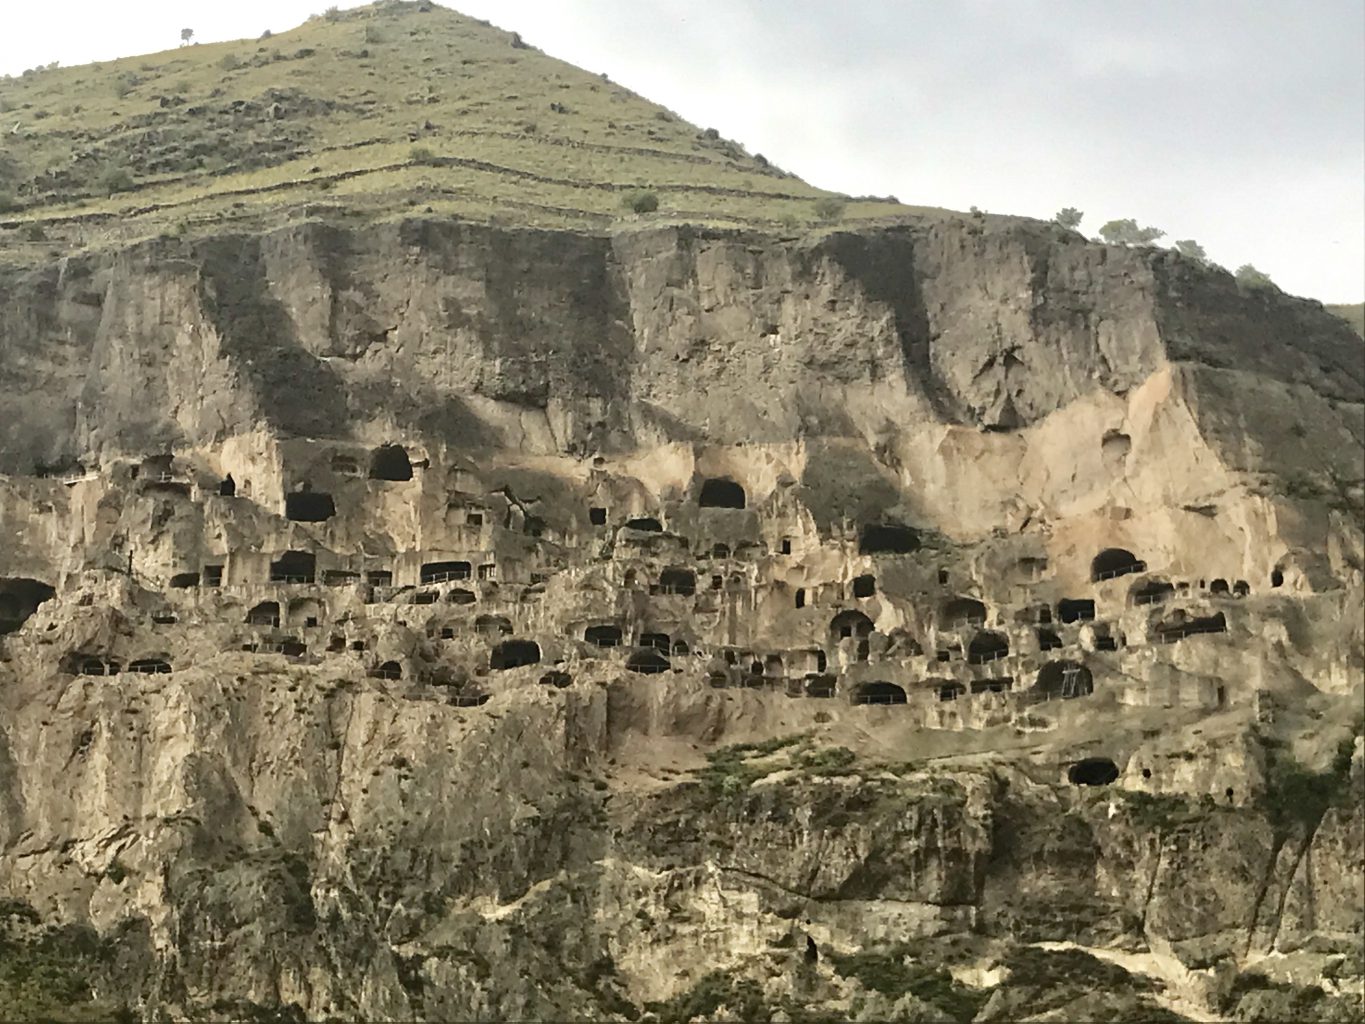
x,y
376,109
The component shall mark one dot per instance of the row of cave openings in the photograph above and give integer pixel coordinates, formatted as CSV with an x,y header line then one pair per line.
x,y
1060,680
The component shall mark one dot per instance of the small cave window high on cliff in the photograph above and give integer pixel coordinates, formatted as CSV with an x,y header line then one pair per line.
x,y
495,625
878,693
888,539
961,611
1071,610
800,597
441,572
304,611
647,662
721,551
150,666
597,516
645,524
849,624
184,580
1063,680
1048,640
390,462
1150,592
267,613
719,492
379,578
820,686
339,577
950,691
1219,586
1114,562
603,636
1276,578
557,679
1093,771
227,488
1241,589
987,647
864,586
458,596
213,575
309,507
514,654
294,567
678,581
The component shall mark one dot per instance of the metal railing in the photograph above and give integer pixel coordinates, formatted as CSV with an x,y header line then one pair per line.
x,y
1123,570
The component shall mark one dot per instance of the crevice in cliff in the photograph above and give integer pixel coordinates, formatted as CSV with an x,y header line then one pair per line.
x,y
1262,888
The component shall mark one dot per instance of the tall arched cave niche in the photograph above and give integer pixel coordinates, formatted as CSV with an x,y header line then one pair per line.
x,y
878,693
1062,680
514,654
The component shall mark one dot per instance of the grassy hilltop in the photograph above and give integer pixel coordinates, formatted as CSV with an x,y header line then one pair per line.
x,y
374,110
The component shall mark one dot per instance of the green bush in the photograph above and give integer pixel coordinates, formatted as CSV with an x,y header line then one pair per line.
x,y
829,208
421,155
113,179
889,973
641,201
229,62
1069,217
1249,277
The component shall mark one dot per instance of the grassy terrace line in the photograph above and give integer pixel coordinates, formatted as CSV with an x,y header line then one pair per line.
x,y
375,110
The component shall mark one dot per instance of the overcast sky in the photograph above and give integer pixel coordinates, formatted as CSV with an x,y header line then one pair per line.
x,y
1239,123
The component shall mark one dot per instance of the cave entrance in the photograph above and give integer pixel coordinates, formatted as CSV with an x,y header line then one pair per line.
x,y
961,611
820,686
864,586
1064,680
603,636
304,611
678,581
1093,771
850,623
1071,610
878,693
1114,562
514,654
387,670
647,662
309,507
267,613
1150,592
720,492
888,539
440,572
390,462
987,647
294,567
1219,586
495,625
150,666
227,488
645,524
19,599
184,580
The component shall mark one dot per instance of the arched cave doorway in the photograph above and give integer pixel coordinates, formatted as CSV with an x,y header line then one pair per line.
x,y
720,492
603,636
1062,680
987,647
961,611
647,662
514,654
1093,771
878,693
390,462
1114,562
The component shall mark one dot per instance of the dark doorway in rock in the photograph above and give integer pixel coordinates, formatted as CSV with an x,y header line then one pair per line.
x,y
390,462
1001,684
441,572
267,613
961,611
184,580
597,515
987,647
680,648
1150,592
1093,771
556,678
878,693
849,624
1114,562
458,596
1062,680
603,636
888,539
812,952
213,575
1076,610
1219,586
786,547
387,670
227,487
309,507
19,599
678,581
721,551
645,524
647,662
495,625
294,567
379,578
1276,578
514,654
1241,588
800,597
951,691
720,492
864,586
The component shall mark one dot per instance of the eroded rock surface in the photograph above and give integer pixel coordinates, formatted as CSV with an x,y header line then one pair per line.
x,y
384,606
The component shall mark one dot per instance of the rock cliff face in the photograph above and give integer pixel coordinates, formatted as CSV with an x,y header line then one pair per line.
x,y
953,620
943,620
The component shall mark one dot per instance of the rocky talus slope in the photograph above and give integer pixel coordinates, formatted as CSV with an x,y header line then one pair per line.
x,y
416,618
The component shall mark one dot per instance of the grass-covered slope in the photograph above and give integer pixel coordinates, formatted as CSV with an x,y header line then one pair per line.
x,y
1353,315
375,109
